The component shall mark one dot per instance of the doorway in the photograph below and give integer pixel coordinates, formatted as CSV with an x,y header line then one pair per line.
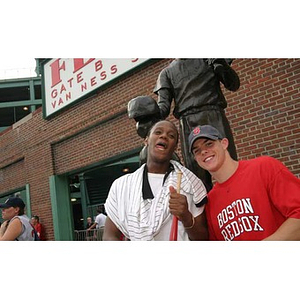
x,y
90,188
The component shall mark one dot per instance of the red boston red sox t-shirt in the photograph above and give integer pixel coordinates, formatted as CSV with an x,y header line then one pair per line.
x,y
253,202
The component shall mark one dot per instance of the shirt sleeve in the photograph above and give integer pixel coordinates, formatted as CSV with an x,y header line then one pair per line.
x,y
284,189
163,82
111,205
114,205
196,211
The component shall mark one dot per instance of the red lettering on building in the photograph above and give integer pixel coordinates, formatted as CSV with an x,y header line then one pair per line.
x,y
79,78
70,82
113,69
55,72
103,75
79,63
68,96
63,88
54,93
98,65
93,81
83,86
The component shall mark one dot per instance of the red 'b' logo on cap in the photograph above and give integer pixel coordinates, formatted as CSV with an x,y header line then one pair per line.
x,y
196,131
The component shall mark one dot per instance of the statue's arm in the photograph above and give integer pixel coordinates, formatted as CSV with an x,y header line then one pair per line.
x,y
225,73
164,102
164,91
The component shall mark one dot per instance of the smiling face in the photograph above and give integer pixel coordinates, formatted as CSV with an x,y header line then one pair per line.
x,y
210,155
162,142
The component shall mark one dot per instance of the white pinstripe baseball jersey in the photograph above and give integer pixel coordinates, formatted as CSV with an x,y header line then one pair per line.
x,y
150,219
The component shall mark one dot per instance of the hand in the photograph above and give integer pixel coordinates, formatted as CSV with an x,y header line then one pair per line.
x,y
178,206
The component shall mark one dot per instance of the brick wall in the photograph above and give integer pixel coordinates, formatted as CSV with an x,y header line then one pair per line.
x,y
263,114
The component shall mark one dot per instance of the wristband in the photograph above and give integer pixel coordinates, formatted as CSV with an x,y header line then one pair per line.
x,y
190,227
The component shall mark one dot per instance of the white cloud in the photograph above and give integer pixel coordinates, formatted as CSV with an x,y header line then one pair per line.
x,y
17,67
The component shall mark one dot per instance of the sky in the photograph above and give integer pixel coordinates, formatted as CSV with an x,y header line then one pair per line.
x,y
16,67
228,29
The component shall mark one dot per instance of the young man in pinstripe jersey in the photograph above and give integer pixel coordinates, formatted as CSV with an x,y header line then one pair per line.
x,y
141,205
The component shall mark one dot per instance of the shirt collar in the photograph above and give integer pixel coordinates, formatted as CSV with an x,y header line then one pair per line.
x,y
146,189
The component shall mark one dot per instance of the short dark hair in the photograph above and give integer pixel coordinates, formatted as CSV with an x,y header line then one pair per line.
x,y
36,218
100,209
150,130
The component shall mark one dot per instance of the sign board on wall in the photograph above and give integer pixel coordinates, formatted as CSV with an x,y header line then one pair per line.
x,y
66,80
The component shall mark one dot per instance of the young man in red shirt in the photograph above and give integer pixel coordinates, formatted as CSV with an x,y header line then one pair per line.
x,y
257,199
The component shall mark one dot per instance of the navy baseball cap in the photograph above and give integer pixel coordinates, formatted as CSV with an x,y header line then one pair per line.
x,y
204,131
13,202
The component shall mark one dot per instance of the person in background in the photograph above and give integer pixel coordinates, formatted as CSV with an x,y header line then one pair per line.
x,y
39,228
141,205
16,226
256,199
99,222
89,223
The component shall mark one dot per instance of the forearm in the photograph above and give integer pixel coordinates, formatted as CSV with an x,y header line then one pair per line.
x,y
288,231
164,102
196,228
108,237
92,227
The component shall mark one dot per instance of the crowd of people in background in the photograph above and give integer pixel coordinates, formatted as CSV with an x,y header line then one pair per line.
x,y
17,226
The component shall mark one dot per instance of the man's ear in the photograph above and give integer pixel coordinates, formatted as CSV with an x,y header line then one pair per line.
x,y
225,143
146,141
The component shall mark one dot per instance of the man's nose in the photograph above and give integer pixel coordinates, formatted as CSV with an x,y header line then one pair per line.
x,y
163,135
203,150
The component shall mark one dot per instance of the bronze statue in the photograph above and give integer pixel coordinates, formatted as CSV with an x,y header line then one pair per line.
x,y
194,85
